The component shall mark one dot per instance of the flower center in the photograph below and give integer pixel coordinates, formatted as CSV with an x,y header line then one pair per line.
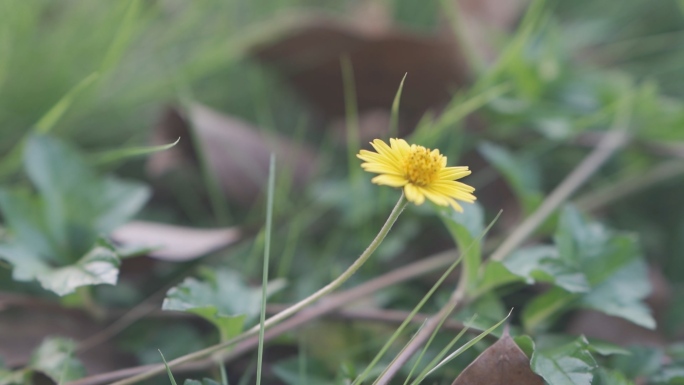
x,y
422,166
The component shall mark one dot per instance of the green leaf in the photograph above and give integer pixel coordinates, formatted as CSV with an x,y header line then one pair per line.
x,y
78,204
223,298
594,268
466,228
168,370
54,357
612,264
495,275
23,214
99,266
521,175
526,344
118,154
543,264
570,364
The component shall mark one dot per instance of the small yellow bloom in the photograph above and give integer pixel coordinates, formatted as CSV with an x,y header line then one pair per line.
x,y
421,172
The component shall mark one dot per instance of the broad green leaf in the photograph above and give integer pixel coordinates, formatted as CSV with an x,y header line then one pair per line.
x,y
78,204
23,213
543,264
594,268
525,343
54,357
99,266
222,297
570,364
612,264
521,175
466,228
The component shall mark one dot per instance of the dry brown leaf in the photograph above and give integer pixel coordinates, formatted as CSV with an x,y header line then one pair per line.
x,y
309,56
236,152
501,363
175,243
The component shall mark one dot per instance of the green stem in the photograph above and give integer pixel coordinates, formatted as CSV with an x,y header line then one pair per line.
x,y
398,208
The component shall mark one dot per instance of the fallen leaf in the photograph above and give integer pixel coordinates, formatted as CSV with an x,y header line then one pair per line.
x,y
237,153
502,363
309,54
175,243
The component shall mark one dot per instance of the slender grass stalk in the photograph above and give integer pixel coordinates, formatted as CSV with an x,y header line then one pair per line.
x,y
211,184
441,354
267,253
122,37
337,282
461,349
224,376
168,370
352,114
394,114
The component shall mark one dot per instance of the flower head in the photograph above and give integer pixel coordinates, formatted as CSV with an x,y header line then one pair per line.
x,y
421,172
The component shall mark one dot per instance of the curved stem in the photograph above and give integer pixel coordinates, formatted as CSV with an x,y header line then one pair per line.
x,y
337,282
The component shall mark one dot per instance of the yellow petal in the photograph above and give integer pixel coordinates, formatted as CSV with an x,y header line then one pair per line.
x,y
413,194
389,180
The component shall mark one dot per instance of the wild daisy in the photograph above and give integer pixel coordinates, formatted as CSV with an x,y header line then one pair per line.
x,y
421,172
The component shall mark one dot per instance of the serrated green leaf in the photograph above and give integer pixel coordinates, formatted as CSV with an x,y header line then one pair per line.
x,y
526,344
99,266
223,298
616,275
570,364
78,204
543,264
23,213
54,357
466,228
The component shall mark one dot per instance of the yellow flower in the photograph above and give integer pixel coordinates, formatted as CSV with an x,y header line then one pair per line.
x,y
421,172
